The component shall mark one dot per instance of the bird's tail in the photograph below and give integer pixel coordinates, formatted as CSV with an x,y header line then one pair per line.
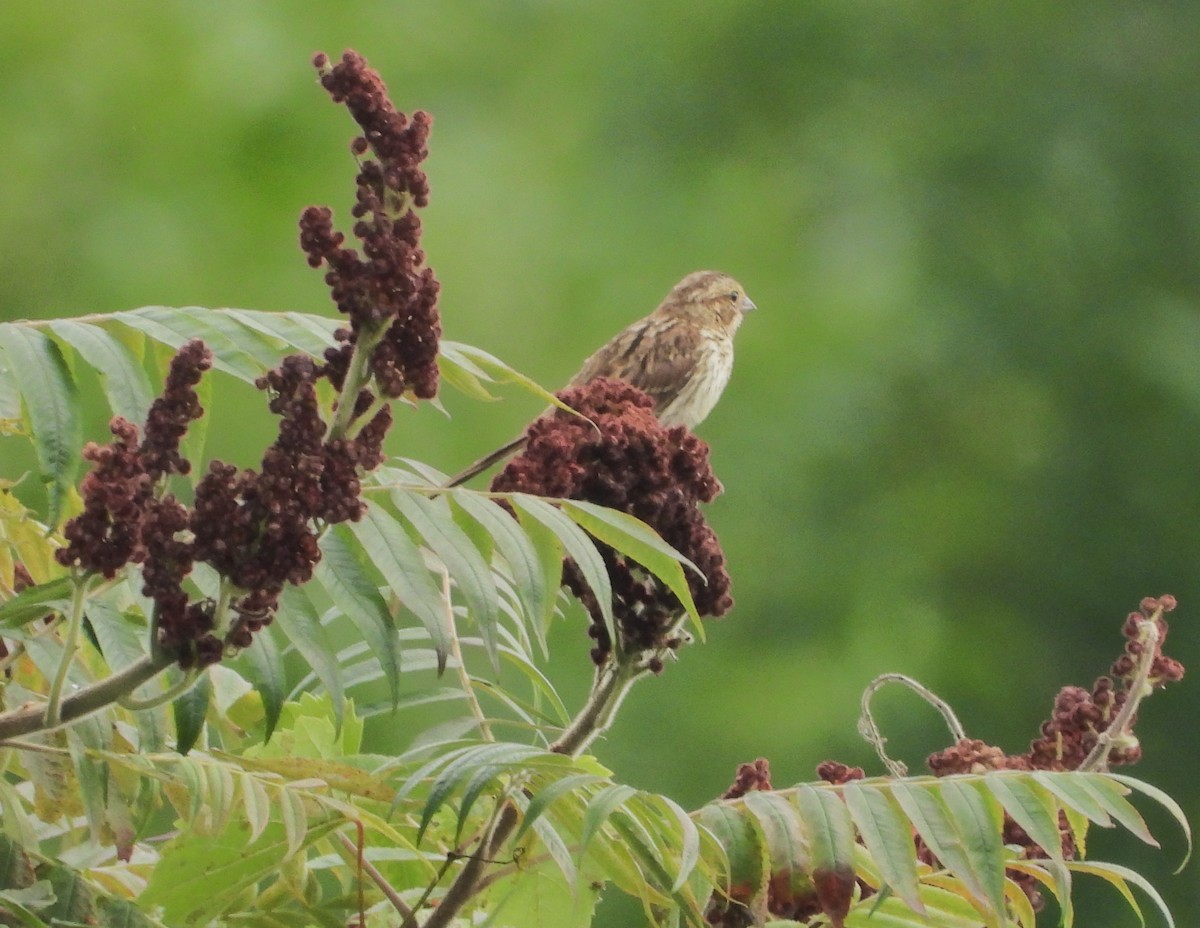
x,y
486,461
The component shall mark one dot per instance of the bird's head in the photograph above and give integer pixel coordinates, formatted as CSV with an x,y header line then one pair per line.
x,y
711,298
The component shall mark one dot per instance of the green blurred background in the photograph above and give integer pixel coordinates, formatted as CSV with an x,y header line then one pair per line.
x,y
961,437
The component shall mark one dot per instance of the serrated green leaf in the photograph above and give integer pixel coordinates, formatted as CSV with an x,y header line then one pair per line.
x,y
830,833
73,897
741,838
480,364
256,803
190,709
783,836
557,848
51,400
345,578
598,811
122,376
470,573
922,803
486,761
298,619
295,821
221,794
634,833
398,559
1069,788
544,797
689,835
463,376
578,546
1166,802
520,552
292,332
35,602
979,818
1031,806
190,776
199,876
1119,877
1111,796
501,759
886,834
174,327
638,541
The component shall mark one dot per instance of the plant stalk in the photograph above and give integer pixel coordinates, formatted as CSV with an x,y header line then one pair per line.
x,y
87,700
53,715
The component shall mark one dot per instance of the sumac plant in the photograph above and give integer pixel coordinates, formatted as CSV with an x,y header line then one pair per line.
x,y
189,648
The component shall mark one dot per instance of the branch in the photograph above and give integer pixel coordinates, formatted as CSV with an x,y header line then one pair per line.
x,y
89,699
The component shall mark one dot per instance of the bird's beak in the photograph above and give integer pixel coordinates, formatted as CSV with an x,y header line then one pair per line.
x,y
747,304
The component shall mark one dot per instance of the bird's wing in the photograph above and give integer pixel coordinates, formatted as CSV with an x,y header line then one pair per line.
x,y
656,355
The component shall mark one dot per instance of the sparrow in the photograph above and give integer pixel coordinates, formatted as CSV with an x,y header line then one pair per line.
x,y
681,355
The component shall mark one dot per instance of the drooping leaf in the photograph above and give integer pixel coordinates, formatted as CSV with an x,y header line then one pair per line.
x,y
298,619
979,819
295,820
190,709
830,832
1166,802
398,559
921,802
265,671
345,578
479,364
1119,877
782,833
471,574
520,553
599,809
576,544
548,794
1073,795
1031,806
51,401
638,541
255,803
122,376
481,764
1111,796
887,836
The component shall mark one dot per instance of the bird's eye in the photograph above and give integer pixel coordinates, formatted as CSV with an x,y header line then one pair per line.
x,y
734,296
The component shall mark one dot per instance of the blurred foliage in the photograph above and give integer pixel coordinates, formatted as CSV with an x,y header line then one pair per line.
x,y
961,438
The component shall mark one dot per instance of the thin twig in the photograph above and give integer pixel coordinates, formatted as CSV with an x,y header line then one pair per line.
x,y
18,745
464,677
389,891
133,704
74,625
868,728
